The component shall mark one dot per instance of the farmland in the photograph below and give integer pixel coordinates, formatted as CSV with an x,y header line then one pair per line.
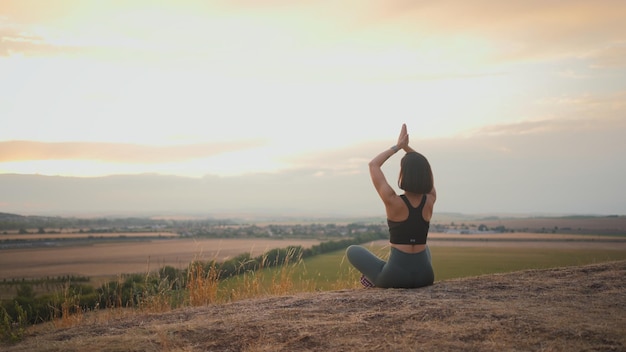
x,y
454,256
120,257
460,249
52,262
139,255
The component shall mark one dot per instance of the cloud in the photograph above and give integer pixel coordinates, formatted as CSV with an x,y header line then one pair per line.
x,y
555,126
578,125
551,165
367,40
610,105
351,159
568,164
554,165
569,127
517,29
610,57
115,152
13,41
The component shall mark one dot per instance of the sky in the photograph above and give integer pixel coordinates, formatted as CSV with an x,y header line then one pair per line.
x,y
520,106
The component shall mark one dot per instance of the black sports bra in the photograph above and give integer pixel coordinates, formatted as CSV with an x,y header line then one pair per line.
x,y
414,229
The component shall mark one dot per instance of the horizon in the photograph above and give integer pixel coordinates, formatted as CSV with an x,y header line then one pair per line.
x,y
277,106
253,213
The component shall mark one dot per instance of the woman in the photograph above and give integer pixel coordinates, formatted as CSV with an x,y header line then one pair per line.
x,y
408,218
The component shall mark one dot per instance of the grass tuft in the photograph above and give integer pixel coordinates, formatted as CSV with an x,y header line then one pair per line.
x,y
202,284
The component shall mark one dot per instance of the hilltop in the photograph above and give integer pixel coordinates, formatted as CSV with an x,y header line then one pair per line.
x,y
564,309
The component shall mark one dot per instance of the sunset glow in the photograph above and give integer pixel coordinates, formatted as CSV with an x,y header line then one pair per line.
x,y
230,88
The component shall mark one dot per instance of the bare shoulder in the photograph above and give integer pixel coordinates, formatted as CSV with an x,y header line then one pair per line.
x,y
432,195
427,212
396,209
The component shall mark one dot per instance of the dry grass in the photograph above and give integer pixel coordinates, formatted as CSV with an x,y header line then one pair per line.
x,y
70,313
566,309
205,287
202,286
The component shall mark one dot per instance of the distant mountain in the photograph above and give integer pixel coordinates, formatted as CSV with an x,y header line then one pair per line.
x,y
302,194
298,193
8,216
24,218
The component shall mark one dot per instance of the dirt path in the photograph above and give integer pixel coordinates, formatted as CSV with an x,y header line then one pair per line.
x,y
566,309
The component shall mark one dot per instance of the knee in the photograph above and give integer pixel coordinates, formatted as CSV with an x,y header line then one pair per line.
x,y
351,251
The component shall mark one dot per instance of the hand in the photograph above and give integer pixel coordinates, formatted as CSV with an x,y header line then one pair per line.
x,y
403,138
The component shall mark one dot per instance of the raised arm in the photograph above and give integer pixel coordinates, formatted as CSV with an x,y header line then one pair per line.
x,y
385,191
408,149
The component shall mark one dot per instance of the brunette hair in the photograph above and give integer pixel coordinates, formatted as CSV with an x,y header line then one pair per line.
x,y
415,174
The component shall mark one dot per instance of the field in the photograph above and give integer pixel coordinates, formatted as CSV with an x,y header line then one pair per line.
x,y
453,256
75,236
457,258
113,258
121,257
462,261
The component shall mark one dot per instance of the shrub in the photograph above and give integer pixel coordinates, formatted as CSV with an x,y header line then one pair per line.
x,y
12,327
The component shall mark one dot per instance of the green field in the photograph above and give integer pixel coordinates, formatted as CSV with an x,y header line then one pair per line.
x,y
332,271
455,262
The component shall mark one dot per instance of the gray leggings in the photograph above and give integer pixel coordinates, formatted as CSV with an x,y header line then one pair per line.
x,y
402,270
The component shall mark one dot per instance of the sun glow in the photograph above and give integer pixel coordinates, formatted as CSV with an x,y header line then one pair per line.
x,y
301,78
228,164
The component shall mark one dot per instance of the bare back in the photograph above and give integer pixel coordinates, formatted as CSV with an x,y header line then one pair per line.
x,y
397,211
